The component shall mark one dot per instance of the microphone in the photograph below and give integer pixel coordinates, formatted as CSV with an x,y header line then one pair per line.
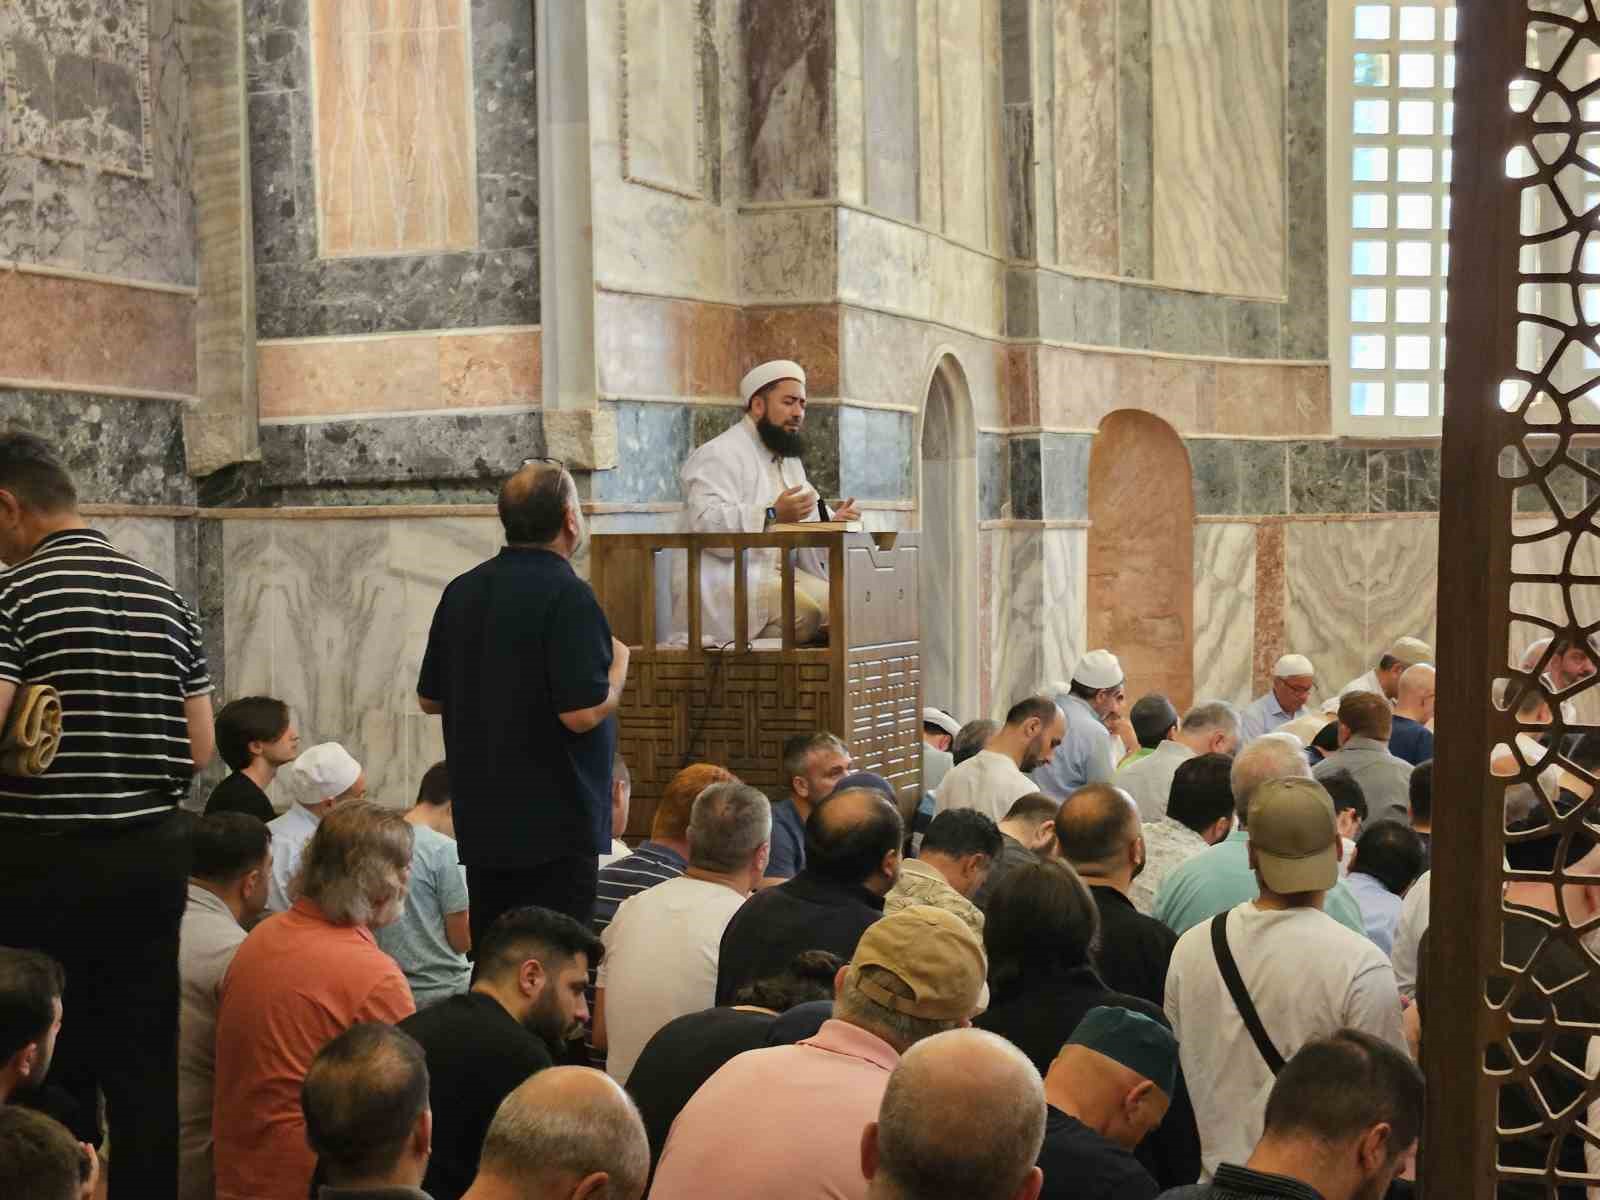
x,y
822,509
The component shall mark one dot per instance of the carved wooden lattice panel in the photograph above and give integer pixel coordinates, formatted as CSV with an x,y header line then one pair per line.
x,y
883,711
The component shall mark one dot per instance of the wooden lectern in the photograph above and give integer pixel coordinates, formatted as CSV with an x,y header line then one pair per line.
x,y
688,700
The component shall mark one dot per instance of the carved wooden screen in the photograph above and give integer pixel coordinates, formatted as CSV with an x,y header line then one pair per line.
x,y
1511,995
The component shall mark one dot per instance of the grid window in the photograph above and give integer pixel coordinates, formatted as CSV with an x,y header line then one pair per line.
x,y
1390,211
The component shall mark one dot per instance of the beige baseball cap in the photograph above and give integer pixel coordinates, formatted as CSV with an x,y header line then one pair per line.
x,y
1411,651
1294,835
933,953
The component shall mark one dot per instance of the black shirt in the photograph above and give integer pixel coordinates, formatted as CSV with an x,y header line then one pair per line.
x,y
477,1055
515,642
807,913
1135,950
1079,1164
682,1055
123,649
1037,1012
241,794
1410,740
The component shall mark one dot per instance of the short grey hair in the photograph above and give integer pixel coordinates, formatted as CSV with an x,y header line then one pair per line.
x,y
1212,716
1268,757
355,863
728,823
900,1030
531,1139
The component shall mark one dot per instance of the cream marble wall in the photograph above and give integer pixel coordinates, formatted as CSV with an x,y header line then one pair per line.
x,y
1224,610
1085,135
887,359
909,270
151,540
1063,592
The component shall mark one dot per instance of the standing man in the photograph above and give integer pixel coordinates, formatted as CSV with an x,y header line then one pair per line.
x,y
255,737
93,857
813,764
747,479
1091,702
1293,677
523,668
1210,728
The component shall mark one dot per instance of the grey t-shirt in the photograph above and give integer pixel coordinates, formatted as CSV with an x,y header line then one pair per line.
x,y
417,940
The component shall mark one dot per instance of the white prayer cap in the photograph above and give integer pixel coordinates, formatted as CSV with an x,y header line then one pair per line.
x,y
328,768
769,372
1411,651
1291,665
1098,669
941,720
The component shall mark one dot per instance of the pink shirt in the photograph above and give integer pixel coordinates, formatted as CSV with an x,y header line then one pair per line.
x,y
785,1121
297,982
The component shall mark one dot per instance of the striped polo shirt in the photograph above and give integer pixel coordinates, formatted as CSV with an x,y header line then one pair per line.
x,y
123,649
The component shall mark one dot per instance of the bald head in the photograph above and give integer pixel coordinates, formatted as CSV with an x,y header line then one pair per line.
x,y
850,836
963,1115
565,1129
1096,827
1271,756
1417,693
539,504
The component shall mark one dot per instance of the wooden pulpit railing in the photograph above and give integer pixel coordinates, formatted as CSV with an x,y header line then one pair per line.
x,y
691,697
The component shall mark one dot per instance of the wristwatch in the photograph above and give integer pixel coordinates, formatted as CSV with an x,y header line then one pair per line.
x,y
772,516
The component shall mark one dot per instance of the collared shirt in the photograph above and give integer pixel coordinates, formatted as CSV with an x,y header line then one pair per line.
x,y
836,1079
1380,908
298,981
1263,715
619,849
1233,1182
122,647
290,833
988,781
807,913
1084,756
207,941
1168,844
1413,923
1385,780
921,884
1013,854
1149,781
787,858
1220,878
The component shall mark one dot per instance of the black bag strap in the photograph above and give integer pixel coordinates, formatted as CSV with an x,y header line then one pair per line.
x,y
1241,997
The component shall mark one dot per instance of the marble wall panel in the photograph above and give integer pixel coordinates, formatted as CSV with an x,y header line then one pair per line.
x,y
1325,617
1134,140
1327,478
1017,152
890,359
661,130
1063,598
964,119
994,476
1219,76
1026,478
1238,477
808,335
1015,647
877,453
421,450
153,541
1402,565
1305,317
1224,610
789,51
652,443
1065,465
785,256
120,451
649,346
849,101
889,102
1086,151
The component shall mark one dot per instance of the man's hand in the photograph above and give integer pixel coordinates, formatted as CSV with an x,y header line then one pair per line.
x,y
795,504
619,663
846,510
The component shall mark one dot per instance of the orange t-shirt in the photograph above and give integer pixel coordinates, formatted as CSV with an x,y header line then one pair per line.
x,y
297,982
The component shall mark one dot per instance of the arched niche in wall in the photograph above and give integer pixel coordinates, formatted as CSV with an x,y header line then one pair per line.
x,y
1141,554
948,517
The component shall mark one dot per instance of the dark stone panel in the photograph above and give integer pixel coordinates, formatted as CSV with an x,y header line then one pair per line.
x,y
1016,63
1135,139
789,144
1327,478
1065,464
281,226
391,450
652,442
1022,303
508,157
710,420
1305,320
206,536
994,476
276,57
821,456
1422,485
1215,476
1253,328
876,453
1027,482
1186,322
119,450
1095,311
1016,134
1262,470
1134,318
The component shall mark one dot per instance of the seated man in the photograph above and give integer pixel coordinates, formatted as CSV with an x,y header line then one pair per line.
x,y
939,730
40,1161
526,1003
301,978
431,939
255,737
565,1134
1342,1120
1293,677
962,1115
745,480
813,765
365,1103
1387,861
853,845
31,987
621,803
914,974
1027,834
662,946
957,850
995,777
323,776
1411,738
1110,1086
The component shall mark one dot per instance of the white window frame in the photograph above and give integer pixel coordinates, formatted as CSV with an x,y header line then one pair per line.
x,y
1344,236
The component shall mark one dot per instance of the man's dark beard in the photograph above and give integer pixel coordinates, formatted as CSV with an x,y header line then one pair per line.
x,y
779,440
545,1019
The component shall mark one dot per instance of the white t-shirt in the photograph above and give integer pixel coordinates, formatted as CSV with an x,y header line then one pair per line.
x,y
988,781
1408,934
660,962
1308,977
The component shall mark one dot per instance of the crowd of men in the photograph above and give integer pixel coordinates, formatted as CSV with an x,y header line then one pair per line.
x,y
1113,953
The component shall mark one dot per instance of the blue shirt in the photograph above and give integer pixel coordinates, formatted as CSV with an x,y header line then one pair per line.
x,y
417,940
1263,715
1380,908
1084,755
788,857
1411,740
1220,878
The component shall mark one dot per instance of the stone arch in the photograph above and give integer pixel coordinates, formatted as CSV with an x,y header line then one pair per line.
x,y
1141,553
947,496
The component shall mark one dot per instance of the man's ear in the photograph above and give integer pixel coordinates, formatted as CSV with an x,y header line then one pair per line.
x,y
422,1134
531,976
1136,1096
598,1184
891,863
869,1150
1372,1150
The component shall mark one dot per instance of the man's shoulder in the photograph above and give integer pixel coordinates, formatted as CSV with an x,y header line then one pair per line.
x,y
734,438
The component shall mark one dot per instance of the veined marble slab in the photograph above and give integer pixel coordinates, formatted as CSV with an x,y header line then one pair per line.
x,y
1224,611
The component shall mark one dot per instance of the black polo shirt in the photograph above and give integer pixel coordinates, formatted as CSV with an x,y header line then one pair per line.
x,y
1080,1164
1135,950
241,794
123,649
807,913
515,642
